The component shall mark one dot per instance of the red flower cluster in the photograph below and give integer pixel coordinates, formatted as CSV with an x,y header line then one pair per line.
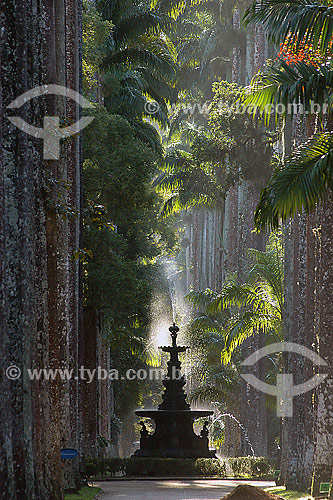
x,y
305,53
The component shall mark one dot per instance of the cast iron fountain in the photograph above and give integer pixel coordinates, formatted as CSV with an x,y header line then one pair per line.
x,y
174,436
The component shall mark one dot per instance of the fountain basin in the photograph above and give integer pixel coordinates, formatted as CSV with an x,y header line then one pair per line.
x,y
174,436
194,414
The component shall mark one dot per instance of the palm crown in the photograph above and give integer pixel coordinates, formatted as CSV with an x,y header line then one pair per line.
x,y
240,310
305,178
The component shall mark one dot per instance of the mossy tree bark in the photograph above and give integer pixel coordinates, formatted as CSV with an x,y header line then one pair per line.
x,y
34,255
323,458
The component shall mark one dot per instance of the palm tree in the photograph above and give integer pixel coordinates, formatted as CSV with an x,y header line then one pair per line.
x,y
241,310
299,21
214,383
202,166
296,87
303,21
305,179
140,65
223,321
188,181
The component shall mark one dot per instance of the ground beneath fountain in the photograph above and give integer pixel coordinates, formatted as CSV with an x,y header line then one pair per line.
x,y
192,489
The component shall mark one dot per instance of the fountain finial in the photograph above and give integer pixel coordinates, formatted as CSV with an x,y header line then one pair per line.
x,y
174,331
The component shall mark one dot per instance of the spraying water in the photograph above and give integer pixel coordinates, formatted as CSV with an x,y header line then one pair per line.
x,y
240,425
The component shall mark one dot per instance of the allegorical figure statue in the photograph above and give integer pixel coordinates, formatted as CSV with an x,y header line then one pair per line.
x,y
144,432
204,432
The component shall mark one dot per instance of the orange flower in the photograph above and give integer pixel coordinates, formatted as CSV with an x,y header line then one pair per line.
x,y
305,53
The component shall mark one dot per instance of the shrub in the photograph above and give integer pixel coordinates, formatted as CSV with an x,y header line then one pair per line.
x,y
171,467
91,469
210,467
108,466
250,466
260,467
236,465
156,467
240,466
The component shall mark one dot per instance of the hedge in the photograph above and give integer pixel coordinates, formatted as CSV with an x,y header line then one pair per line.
x,y
155,467
159,467
251,466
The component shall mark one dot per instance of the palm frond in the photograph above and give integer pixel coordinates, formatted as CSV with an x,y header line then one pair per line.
x,y
297,87
113,9
303,181
202,299
244,326
188,183
138,23
156,57
208,322
255,294
214,390
306,22
184,201
172,7
241,310
268,268
158,85
148,134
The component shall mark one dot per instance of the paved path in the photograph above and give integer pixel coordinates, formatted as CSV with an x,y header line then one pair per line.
x,y
191,489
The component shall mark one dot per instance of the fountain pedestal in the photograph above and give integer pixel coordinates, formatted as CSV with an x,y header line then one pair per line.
x,y
174,436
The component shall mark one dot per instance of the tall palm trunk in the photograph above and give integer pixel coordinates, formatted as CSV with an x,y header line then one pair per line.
x,y
30,463
323,458
301,248
34,251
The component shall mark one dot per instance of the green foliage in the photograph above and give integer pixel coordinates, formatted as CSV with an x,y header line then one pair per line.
x,y
191,182
247,140
305,177
213,382
117,169
296,87
114,9
162,467
229,151
154,467
101,467
85,493
210,467
204,38
301,183
282,492
250,466
140,63
303,21
223,320
95,34
115,433
240,310
124,237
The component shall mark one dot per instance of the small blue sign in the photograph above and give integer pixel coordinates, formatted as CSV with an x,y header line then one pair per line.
x,y
68,454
